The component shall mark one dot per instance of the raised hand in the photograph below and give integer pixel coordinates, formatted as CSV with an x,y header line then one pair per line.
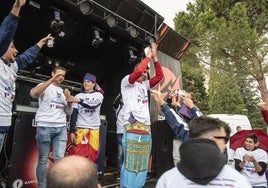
x,y
44,40
19,3
262,105
16,7
157,95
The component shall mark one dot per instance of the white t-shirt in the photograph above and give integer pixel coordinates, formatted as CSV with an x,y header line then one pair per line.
x,y
249,171
120,119
228,177
51,111
136,101
7,91
86,117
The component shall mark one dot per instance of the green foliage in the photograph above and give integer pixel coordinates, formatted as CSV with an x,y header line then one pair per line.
x,y
230,37
193,82
250,97
224,94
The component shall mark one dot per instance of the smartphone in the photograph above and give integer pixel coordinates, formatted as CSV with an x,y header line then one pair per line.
x,y
181,93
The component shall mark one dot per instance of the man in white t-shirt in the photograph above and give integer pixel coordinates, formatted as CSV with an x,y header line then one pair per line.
x,y
137,133
251,161
208,169
51,121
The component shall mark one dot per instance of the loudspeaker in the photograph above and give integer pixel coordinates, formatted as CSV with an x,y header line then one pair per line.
x,y
162,144
23,159
101,155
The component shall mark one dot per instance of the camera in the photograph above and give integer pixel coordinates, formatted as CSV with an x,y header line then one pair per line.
x,y
180,92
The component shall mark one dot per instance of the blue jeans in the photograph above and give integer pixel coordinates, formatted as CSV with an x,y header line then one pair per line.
x,y
120,155
2,139
45,137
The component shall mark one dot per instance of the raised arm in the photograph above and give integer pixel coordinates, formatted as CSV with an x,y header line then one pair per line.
x,y
158,70
26,58
176,123
264,110
40,88
9,26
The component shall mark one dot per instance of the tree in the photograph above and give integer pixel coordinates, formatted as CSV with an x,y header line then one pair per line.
x,y
224,93
234,33
250,98
193,81
239,36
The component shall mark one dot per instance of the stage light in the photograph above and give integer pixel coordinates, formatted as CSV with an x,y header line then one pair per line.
x,y
57,63
85,7
111,20
57,25
62,34
149,40
52,62
132,58
97,41
133,31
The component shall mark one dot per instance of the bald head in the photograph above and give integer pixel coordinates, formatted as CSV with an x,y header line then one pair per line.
x,y
72,172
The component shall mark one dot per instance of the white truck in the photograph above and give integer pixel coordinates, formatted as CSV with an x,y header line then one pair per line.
x,y
233,121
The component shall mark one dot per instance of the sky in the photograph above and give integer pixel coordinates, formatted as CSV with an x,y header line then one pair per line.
x,y
167,8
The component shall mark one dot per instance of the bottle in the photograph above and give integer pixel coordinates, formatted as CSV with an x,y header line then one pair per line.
x,y
50,43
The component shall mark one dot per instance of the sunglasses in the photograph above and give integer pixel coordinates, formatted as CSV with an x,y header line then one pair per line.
x,y
225,138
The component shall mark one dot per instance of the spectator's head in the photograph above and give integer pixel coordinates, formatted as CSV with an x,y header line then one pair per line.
x,y
238,128
11,53
251,142
211,128
72,172
201,160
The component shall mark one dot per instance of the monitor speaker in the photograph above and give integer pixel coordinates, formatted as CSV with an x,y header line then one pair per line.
x,y
162,138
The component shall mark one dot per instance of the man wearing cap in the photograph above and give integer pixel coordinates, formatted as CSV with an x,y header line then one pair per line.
x,y
85,120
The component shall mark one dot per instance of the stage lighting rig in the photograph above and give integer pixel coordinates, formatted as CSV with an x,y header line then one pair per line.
x,y
132,57
97,40
149,40
133,31
85,7
57,25
111,20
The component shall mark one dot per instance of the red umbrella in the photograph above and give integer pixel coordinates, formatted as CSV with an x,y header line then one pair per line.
x,y
238,139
